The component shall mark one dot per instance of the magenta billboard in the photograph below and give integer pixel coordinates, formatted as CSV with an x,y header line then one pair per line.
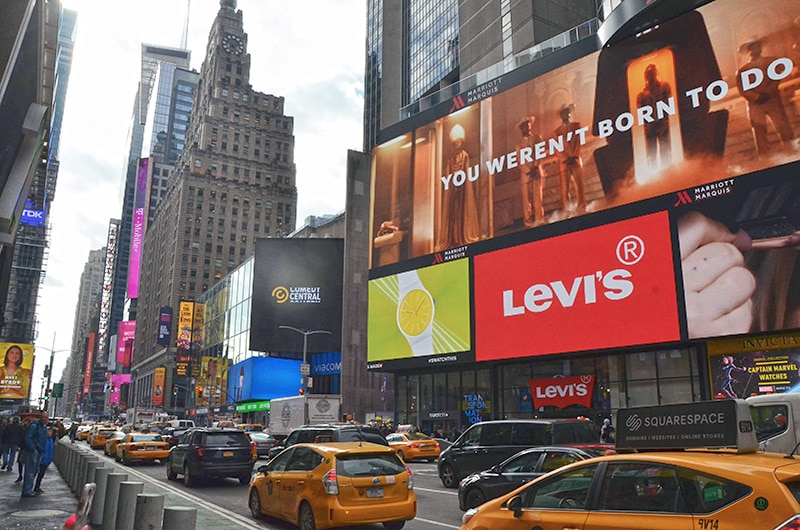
x,y
138,227
125,336
117,380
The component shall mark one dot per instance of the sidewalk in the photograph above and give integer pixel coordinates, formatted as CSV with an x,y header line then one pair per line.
x,y
46,512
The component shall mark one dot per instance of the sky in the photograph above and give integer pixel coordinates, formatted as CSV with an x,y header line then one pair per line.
x,y
311,52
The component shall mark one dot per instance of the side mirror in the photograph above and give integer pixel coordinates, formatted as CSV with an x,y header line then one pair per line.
x,y
262,469
496,469
515,505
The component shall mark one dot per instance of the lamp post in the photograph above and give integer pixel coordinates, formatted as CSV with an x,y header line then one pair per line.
x,y
306,369
49,368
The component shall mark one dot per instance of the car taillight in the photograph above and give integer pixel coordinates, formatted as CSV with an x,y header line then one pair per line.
x,y
132,448
254,450
414,446
201,452
410,479
791,524
330,484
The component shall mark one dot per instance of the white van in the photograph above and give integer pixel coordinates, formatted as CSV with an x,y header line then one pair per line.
x,y
181,424
776,418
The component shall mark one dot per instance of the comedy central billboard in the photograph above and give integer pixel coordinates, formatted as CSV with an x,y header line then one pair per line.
x,y
641,193
297,295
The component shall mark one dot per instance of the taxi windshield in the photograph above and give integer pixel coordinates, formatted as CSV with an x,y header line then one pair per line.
x,y
368,465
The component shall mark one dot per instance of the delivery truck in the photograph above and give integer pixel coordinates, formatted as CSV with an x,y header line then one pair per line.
x,y
286,414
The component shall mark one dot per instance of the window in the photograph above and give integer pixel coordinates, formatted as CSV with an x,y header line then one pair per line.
x,y
647,487
568,490
524,463
769,420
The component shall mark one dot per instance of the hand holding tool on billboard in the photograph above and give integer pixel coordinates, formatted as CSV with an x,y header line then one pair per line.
x,y
717,286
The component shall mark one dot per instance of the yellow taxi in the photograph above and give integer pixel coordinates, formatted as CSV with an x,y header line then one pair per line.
x,y
110,448
83,432
730,486
413,445
318,486
98,437
250,427
137,446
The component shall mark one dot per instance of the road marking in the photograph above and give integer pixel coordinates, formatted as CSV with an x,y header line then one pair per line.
x,y
435,491
437,523
232,516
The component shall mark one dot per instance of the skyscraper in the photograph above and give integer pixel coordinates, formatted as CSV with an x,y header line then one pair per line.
x,y
234,182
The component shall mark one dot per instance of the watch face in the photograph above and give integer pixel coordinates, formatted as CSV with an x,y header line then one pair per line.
x,y
233,44
415,312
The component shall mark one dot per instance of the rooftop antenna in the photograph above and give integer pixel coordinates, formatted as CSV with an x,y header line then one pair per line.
x,y
185,35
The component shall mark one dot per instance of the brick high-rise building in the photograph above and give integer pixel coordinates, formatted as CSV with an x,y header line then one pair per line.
x,y
233,183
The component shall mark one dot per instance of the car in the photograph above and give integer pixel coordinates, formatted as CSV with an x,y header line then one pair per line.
x,y
206,452
477,488
326,485
263,443
97,439
83,431
413,446
654,490
488,443
171,435
110,449
332,432
139,447
250,427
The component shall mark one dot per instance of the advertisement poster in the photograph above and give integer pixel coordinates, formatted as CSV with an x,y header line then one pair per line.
x,y
297,295
164,326
159,375
421,312
17,370
185,323
125,336
211,385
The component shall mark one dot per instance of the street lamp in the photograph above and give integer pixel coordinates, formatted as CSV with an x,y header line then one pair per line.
x,y
305,370
49,368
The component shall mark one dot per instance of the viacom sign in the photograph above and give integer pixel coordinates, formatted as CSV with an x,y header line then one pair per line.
x,y
561,392
603,287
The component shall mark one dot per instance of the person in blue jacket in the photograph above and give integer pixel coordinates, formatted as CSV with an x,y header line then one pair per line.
x,y
47,458
35,445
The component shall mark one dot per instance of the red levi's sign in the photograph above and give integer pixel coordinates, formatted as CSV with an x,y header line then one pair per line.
x,y
604,287
562,392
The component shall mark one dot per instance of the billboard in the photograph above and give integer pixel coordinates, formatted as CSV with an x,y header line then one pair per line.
x,y
164,326
678,143
17,370
157,394
125,338
32,216
297,283
248,379
140,204
117,380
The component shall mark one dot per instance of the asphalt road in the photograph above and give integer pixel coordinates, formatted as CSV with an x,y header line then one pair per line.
x,y
437,506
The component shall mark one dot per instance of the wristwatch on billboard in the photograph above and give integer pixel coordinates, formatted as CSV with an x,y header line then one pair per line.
x,y
415,313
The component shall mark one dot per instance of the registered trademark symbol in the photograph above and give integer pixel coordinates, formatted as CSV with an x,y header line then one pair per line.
x,y
630,250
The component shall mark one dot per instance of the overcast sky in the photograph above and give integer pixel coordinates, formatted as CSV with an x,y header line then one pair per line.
x,y
309,51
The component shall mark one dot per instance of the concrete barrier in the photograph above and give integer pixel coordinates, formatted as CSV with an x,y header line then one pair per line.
x,y
180,518
98,506
149,511
111,500
126,504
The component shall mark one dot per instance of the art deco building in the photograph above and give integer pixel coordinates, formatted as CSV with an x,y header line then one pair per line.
x,y
234,182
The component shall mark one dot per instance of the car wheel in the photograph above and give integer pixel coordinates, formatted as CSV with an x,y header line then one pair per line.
x,y
475,498
394,525
188,478
116,457
255,503
126,460
448,476
306,520
401,455
171,475
244,479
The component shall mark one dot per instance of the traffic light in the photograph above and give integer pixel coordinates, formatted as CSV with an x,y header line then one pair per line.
x,y
175,390
47,394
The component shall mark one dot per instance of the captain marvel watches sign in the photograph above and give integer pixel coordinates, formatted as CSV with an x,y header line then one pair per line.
x,y
603,287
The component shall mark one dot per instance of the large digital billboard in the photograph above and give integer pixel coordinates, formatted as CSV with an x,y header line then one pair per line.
x,y
297,295
248,379
678,143
17,370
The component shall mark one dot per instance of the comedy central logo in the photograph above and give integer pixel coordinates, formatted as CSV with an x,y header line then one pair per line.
x,y
280,294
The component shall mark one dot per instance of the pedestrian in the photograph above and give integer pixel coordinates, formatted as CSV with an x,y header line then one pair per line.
x,y
11,441
35,445
47,458
3,427
73,431
607,432
22,454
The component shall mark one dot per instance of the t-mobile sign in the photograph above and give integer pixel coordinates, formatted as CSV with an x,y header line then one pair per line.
x,y
605,287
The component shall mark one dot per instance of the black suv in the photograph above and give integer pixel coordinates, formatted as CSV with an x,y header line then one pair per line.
x,y
331,432
209,453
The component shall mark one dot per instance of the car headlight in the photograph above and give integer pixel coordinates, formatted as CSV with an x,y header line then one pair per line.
x,y
468,515
469,479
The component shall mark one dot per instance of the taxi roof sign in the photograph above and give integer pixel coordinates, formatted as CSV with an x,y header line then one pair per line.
x,y
703,424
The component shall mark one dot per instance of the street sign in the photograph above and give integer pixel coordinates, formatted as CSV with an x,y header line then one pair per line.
x,y
305,369
58,390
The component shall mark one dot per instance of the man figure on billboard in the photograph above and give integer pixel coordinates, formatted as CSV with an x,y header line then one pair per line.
x,y
570,164
531,176
764,99
656,132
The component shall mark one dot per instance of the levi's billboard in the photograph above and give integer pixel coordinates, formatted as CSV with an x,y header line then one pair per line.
x,y
604,287
562,392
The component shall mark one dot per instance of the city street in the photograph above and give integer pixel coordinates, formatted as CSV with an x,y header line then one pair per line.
x,y
437,506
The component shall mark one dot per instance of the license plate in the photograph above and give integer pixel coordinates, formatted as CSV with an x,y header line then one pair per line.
x,y
151,448
374,493
227,453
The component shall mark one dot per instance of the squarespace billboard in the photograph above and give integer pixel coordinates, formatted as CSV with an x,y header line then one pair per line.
x,y
297,295
645,193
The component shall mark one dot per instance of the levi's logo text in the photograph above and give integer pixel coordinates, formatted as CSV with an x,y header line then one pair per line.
x,y
598,288
562,392
296,295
